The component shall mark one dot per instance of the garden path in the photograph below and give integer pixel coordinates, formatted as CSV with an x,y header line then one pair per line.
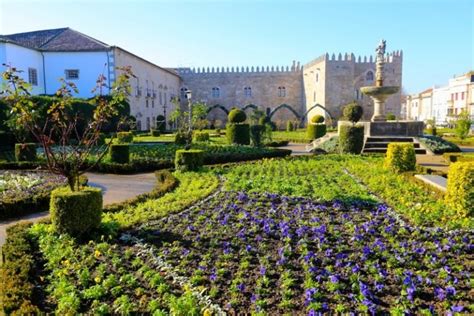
x,y
296,149
116,188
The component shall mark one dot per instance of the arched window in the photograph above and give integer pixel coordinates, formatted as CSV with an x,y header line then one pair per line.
x,y
317,77
314,96
248,92
216,92
183,93
281,92
369,76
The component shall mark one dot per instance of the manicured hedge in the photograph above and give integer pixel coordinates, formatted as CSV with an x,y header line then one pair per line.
x,y
460,189
237,116
256,132
189,160
201,136
277,143
317,119
119,153
155,133
18,272
314,131
124,137
400,157
76,212
238,134
453,157
182,138
351,139
25,152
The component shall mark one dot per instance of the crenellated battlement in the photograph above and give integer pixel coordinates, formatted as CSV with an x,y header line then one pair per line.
x,y
350,57
294,68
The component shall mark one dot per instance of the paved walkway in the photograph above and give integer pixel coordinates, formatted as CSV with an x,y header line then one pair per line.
x,y
296,149
435,162
116,188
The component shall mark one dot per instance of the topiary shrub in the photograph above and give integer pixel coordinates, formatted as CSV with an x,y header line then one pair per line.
x,y
460,188
289,126
238,134
236,116
189,160
351,139
119,153
182,138
124,137
256,133
201,136
400,157
314,131
76,212
25,152
317,119
390,117
155,133
161,123
353,112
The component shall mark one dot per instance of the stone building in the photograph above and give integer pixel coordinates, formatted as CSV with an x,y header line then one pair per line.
x,y
322,86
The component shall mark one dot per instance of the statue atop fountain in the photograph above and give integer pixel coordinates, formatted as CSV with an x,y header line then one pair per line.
x,y
379,93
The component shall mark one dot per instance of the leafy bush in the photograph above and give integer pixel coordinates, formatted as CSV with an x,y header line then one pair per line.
x,y
18,271
353,112
124,137
155,133
317,119
25,152
453,157
201,136
438,145
119,153
463,124
400,157
256,133
351,139
161,123
314,131
238,134
189,160
182,137
390,117
76,212
289,126
236,116
460,189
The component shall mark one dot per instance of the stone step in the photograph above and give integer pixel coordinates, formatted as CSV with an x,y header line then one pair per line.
x,y
418,151
438,182
383,145
390,139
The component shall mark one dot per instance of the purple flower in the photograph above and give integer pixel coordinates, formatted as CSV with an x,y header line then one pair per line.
x,y
263,270
355,268
364,290
450,291
457,308
308,295
439,293
308,256
253,298
334,279
411,292
241,287
213,276
248,248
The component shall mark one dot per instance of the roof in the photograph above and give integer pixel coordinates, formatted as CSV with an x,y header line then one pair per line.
x,y
62,39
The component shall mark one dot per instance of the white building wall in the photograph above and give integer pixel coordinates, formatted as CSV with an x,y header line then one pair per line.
x,y
440,104
89,64
23,58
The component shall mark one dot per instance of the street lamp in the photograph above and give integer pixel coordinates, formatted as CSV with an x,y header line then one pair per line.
x,y
189,95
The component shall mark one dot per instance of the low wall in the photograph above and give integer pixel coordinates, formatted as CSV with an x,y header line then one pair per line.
x,y
390,128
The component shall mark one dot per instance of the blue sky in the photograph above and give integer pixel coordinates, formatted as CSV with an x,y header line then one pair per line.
x,y
437,37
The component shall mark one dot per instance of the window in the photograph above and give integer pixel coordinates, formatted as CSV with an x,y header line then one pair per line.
x,y
281,92
161,99
183,93
139,125
33,76
317,77
153,121
369,76
148,123
216,92
146,102
314,96
152,103
72,74
472,78
462,95
357,94
456,96
248,92
164,96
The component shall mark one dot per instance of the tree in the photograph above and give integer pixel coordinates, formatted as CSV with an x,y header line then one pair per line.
x,y
463,124
69,140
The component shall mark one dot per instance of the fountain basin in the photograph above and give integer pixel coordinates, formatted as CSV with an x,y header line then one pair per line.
x,y
375,91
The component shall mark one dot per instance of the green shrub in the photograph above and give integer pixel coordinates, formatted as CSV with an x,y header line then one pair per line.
x,y
155,133
189,160
161,123
314,131
351,139
289,126
238,134
353,112
25,152
460,188
182,138
236,116
390,117
454,157
201,136
256,133
76,212
119,153
124,137
400,157
277,143
317,119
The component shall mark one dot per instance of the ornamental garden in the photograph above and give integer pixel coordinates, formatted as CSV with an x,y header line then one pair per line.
x,y
234,225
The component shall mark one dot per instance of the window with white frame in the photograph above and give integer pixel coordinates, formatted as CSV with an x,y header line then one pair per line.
x,y
72,74
248,92
281,91
33,76
216,92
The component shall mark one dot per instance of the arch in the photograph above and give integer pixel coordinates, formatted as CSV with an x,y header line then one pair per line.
x,y
250,106
369,76
284,106
217,106
313,107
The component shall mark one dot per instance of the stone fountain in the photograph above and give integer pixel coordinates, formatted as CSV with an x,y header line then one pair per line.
x,y
379,93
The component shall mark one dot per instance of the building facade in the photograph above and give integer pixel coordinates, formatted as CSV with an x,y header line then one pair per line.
x,y
443,104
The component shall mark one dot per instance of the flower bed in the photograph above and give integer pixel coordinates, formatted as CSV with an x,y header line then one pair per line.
x,y
438,145
265,253
25,192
